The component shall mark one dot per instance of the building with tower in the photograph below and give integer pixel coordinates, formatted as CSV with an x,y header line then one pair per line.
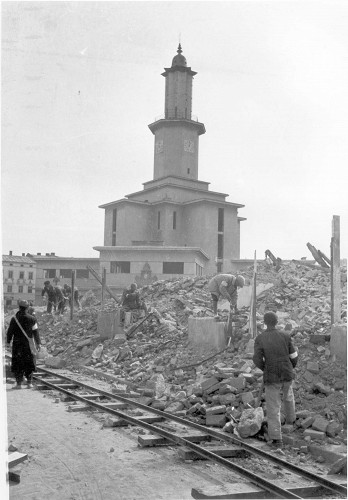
x,y
174,225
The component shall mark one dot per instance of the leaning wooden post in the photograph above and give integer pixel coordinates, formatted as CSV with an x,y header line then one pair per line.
x,y
72,294
103,285
335,272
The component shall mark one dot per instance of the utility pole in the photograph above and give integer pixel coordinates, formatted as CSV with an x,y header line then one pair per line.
x,y
335,272
72,294
252,324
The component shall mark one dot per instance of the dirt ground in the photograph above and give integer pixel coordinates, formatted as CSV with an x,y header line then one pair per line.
x,y
71,457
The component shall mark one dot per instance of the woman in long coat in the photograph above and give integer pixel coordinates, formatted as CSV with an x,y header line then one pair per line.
x,y
23,362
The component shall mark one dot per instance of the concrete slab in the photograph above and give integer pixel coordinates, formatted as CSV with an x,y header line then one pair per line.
x,y
206,332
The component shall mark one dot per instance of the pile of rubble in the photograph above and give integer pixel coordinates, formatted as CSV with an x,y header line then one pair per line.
x,y
214,388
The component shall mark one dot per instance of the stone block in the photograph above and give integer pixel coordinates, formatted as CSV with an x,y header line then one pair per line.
x,y
250,422
313,366
287,429
174,407
207,332
212,389
209,382
215,420
307,422
333,428
227,399
324,389
320,424
308,376
247,397
237,382
320,436
317,339
304,414
215,410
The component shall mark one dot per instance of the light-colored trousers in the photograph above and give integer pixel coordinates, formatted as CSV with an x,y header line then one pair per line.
x,y
275,393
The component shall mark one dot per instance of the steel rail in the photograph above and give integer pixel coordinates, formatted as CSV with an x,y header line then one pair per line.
x,y
337,488
263,483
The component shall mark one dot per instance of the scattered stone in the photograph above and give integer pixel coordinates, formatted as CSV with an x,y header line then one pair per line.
x,y
250,422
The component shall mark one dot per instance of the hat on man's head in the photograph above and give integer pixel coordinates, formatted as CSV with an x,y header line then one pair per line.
x,y
46,282
23,303
270,318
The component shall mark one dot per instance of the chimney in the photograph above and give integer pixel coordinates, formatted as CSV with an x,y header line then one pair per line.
x,y
53,253
38,253
47,254
23,254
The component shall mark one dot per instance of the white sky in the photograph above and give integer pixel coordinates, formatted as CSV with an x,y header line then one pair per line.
x,y
82,80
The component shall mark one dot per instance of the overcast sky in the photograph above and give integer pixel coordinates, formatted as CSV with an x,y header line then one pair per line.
x,y
82,81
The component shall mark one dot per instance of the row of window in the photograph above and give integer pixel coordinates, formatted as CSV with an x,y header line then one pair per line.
x,y
65,273
20,289
21,275
168,267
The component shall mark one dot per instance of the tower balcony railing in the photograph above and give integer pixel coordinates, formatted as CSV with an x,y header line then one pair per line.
x,y
177,116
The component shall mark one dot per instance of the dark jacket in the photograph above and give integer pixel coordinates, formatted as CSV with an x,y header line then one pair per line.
x,y
29,325
275,355
50,292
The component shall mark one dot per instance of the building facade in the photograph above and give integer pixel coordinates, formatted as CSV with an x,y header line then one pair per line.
x,y
175,225
19,279
58,270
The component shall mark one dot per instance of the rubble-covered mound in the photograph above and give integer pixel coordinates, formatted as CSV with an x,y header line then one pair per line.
x,y
213,387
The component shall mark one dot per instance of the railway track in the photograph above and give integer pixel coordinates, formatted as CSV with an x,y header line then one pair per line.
x,y
187,435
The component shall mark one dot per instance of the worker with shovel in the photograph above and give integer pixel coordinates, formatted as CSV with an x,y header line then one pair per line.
x,y
226,286
276,356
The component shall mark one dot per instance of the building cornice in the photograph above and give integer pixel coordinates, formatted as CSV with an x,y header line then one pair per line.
x,y
145,248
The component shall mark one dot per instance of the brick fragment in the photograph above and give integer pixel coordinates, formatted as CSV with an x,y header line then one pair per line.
x,y
209,382
314,434
227,399
215,420
237,382
320,424
247,397
313,366
308,376
333,428
215,410
307,422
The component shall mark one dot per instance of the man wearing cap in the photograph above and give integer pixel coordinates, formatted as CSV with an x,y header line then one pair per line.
x,y
276,356
226,286
21,326
51,296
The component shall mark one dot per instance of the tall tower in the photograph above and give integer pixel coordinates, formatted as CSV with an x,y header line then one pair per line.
x,y
177,132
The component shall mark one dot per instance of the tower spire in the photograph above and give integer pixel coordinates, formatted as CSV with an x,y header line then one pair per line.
x,y
179,51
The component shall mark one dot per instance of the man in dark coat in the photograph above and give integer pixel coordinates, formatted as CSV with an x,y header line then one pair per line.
x,y
276,356
23,362
226,286
60,299
51,296
67,292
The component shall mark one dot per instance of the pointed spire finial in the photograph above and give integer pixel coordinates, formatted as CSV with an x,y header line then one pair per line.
x,y
179,49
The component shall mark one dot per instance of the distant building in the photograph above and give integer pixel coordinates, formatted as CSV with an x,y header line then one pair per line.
x,y
175,225
19,279
59,270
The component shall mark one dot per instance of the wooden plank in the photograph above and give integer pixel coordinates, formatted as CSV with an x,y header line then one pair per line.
x,y
115,406
93,396
16,458
154,440
335,272
316,256
222,451
146,418
67,386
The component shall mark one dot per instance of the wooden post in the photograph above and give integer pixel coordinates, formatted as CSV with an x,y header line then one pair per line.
x,y
103,285
72,294
252,324
335,272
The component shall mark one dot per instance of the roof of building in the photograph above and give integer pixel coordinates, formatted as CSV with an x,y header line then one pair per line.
x,y
17,258
179,59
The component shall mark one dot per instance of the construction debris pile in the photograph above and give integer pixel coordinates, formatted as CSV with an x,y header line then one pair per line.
x,y
209,387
